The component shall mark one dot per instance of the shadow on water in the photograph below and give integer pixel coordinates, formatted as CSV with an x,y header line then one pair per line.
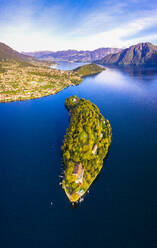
x,y
143,73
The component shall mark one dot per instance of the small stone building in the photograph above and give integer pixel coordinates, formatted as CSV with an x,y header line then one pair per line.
x,y
78,171
95,147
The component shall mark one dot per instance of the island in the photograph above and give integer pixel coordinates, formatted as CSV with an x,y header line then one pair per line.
x,y
85,146
28,80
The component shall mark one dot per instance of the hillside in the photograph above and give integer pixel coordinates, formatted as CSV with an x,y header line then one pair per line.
x,y
74,55
7,53
140,54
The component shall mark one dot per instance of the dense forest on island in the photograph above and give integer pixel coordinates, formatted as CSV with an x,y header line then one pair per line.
x,y
86,144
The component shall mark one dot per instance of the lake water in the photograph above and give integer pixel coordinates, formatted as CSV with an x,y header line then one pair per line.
x,y
120,210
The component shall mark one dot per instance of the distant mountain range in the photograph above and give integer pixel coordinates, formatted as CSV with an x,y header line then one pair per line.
x,y
140,54
73,55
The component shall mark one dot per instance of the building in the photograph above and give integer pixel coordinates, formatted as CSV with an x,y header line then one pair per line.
x,y
95,147
78,171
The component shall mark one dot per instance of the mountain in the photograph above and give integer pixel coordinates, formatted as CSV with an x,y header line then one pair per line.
x,y
7,53
140,54
74,55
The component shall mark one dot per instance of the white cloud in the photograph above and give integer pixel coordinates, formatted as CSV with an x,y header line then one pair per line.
x,y
115,36
36,27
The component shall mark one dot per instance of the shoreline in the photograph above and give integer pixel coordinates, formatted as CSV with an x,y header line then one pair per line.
x,y
74,79
84,193
38,97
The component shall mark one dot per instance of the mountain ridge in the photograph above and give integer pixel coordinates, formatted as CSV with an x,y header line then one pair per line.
x,y
7,53
73,55
140,54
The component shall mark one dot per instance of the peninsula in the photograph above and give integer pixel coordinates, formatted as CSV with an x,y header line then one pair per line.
x,y
26,81
23,77
85,146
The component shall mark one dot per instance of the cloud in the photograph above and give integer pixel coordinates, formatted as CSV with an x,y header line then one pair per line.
x,y
46,25
117,33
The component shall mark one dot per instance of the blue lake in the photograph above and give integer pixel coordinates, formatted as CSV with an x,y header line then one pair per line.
x,y
120,210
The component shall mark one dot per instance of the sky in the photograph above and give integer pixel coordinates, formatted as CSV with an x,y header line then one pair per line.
x,y
35,25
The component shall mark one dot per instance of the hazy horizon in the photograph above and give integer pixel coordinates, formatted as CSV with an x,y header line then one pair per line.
x,y
39,25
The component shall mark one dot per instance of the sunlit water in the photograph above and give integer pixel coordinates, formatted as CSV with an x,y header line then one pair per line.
x,y
67,66
121,207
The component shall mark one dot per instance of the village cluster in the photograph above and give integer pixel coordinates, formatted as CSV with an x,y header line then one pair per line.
x,y
22,82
